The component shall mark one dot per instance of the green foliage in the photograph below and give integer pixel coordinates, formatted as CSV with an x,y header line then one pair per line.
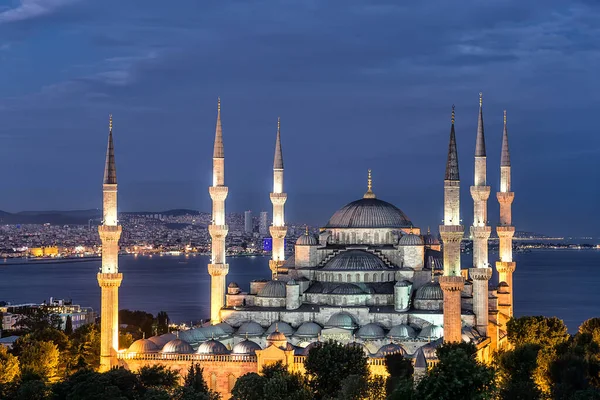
x,y
457,375
400,370
31,390
275,383
36,319
543,331
39,357
515,370
9,366
118,384
85,347
125,340
162,323
158,377
362,388
140,322
329,364
592,327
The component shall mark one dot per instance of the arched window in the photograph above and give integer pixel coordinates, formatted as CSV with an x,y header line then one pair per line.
x,y
231,381
339,277
376,240
365,237
382,277
357,277
348,278
213,382
367,278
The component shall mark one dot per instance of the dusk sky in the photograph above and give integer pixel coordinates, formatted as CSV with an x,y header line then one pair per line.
x,y
357,84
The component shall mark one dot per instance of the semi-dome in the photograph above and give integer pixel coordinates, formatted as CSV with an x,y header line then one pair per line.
x,y
226,328
143,346
410,240
178,346
163,339
355,260
250,328
370,331
369,213
273,289
430,291
308,329
401,331
347,288
343,320
306,240
390,348
245,347
212,347
282,327
431,332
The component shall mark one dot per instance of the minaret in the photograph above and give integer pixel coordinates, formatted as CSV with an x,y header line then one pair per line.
x,y
278,197
109,277
452,231
218,268
505,266
480,231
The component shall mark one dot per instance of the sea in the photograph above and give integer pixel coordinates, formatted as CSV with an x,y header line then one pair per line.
x,y
561,283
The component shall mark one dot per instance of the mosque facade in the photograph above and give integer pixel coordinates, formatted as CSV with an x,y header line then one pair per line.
x,y
371,278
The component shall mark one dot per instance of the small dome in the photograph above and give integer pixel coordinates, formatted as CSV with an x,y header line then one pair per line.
x,y
306,240
196,335
282,327
343,320
410,240
212,347
276,336
347,288
308,329
431,332
430,240
273,289
369,213
355,260
214,331
161,340
401,332
178,346
370,331
390,348
250,328
226,328
430,291
245,347
188,335
143,346
403,283
233,285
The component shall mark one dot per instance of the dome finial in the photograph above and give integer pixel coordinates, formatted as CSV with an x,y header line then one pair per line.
x,y
505,117
369,194
432,272
306,230
452,114
110,122
480,99
276,326
428,231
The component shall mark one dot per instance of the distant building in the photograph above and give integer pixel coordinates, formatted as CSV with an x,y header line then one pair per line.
x,y
248,222
63,308
263,223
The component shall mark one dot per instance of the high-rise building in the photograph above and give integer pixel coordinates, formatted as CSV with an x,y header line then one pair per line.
x,y
263,223
248,226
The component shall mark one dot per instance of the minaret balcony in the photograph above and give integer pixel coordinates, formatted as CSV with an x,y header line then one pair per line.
x,y
110,279
480,274
278,232
480,193
505,197
481,232
451,232
506,267
110,233
452,283
109,187
218,231
218,193
218,269
278,199
505,231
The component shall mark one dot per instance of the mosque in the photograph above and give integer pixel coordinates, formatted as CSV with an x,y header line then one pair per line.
x,y
370,279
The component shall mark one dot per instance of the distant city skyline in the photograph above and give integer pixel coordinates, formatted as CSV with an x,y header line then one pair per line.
x,y
352,95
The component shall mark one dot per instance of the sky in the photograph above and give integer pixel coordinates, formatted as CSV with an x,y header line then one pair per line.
x,y
358,85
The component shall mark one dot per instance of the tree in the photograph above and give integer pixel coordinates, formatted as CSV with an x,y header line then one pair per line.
x,y
39,358
195,387
249,387
544,331
515,370
37,319
457,375
139,322
125,340
275,383
69,325
400,370
85,347
362,388
329,364
116,384
158,377
592,327
9,366
162,320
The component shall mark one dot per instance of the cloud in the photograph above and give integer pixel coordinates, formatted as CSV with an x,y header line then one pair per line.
x,y
31,9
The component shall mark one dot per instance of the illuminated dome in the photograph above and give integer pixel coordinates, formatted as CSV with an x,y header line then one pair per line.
x,y
178,346
212,347
347,288
355,260
282,327
225,327
273,289
390,348
430,240
369,213
245,347
430,291
343,320
250,328
411,240
431,332
308,329
143,346
370,331
401,332
306,240
161,340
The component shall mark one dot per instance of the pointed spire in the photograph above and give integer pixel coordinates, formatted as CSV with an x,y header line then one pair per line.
x,y
110,169
452,163
480,142
278,161
219,152
505,157
369,194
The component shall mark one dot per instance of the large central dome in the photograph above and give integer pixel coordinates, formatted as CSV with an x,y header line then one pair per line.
x,y
369,213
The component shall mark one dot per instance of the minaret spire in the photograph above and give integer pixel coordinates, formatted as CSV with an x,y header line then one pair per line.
x,y
480,142
218,229
452,163
505,156
278,230
109,277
